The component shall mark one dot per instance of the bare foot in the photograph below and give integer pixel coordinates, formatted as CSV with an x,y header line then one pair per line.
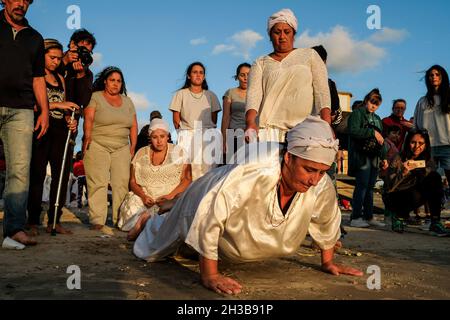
x,y
59,229
96,227
33,230
140,224
24,239
338,246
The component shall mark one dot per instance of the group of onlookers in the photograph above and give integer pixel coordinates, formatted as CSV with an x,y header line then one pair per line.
x,y
273,95
406,154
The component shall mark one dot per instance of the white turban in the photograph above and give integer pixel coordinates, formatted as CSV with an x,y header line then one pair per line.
x,y
313,140
158,124
286,16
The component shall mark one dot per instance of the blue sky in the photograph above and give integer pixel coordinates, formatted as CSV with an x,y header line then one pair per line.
x,y
154,41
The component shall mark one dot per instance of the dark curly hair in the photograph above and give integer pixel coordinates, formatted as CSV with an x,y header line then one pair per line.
x,y
99,83
83,35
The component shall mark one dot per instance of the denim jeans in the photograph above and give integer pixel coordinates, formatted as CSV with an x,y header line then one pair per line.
x,y
362,201
16,131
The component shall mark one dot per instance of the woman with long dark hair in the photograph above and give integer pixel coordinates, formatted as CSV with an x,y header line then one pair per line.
x,y
411,181
195,109
433,114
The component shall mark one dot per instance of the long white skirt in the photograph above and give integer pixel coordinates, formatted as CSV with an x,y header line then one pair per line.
x,y
203,149
130,211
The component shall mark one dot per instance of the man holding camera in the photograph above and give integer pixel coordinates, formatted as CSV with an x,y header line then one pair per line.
x,y
76,62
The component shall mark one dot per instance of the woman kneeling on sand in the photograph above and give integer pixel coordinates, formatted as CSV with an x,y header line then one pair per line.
x,y
158,176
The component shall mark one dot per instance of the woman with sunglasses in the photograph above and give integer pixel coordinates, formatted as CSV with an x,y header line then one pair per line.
x,y
411,181
433,113
366,155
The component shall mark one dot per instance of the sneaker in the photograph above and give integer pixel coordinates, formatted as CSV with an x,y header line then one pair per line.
x,y
375,223
359,223
439,230
397,224
11,244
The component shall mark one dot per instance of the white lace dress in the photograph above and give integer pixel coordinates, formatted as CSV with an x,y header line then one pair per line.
x,y
156,181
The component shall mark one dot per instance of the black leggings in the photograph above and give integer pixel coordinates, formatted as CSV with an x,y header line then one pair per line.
x,y
49,148
429,191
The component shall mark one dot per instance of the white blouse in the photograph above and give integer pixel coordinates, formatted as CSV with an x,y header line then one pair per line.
x,y
285,93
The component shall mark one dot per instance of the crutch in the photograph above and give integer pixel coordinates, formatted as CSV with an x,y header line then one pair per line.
x,y
61,175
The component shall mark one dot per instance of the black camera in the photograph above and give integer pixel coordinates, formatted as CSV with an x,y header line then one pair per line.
x,y
84,56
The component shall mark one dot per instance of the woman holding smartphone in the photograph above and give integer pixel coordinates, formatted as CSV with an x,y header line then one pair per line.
x,y
411,181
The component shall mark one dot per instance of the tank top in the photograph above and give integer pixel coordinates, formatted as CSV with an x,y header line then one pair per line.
x,y
56,94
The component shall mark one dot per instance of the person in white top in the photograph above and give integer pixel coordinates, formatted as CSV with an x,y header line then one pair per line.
x,y
195,110
257,210
433,114
287,85
158,175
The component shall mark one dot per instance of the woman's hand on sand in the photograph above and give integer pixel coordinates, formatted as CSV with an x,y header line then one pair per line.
x,y
221,284
337,270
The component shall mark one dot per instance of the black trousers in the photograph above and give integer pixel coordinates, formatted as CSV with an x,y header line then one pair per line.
x,y
429,190
49,149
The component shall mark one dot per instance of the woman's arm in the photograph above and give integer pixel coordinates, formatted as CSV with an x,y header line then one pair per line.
x,y
185,181
176,119
214,116
137,190
133,136
355,126
255,95
89,116
225,120
321,89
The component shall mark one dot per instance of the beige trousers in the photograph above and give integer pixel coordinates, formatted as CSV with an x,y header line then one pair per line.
x,y
101,167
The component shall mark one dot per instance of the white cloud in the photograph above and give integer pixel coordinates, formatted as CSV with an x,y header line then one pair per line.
x,y
198,41
241,44
345,54
220,48
140,100
389,35
98,60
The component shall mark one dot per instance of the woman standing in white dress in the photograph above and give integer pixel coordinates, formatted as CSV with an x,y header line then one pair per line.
x,y
158,174
287,85
195,110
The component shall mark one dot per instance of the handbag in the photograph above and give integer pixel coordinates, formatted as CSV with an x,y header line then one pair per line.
x,y
370,146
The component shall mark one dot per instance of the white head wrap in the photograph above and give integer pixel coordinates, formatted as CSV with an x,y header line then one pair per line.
x,y
284,15
313,140
158,124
